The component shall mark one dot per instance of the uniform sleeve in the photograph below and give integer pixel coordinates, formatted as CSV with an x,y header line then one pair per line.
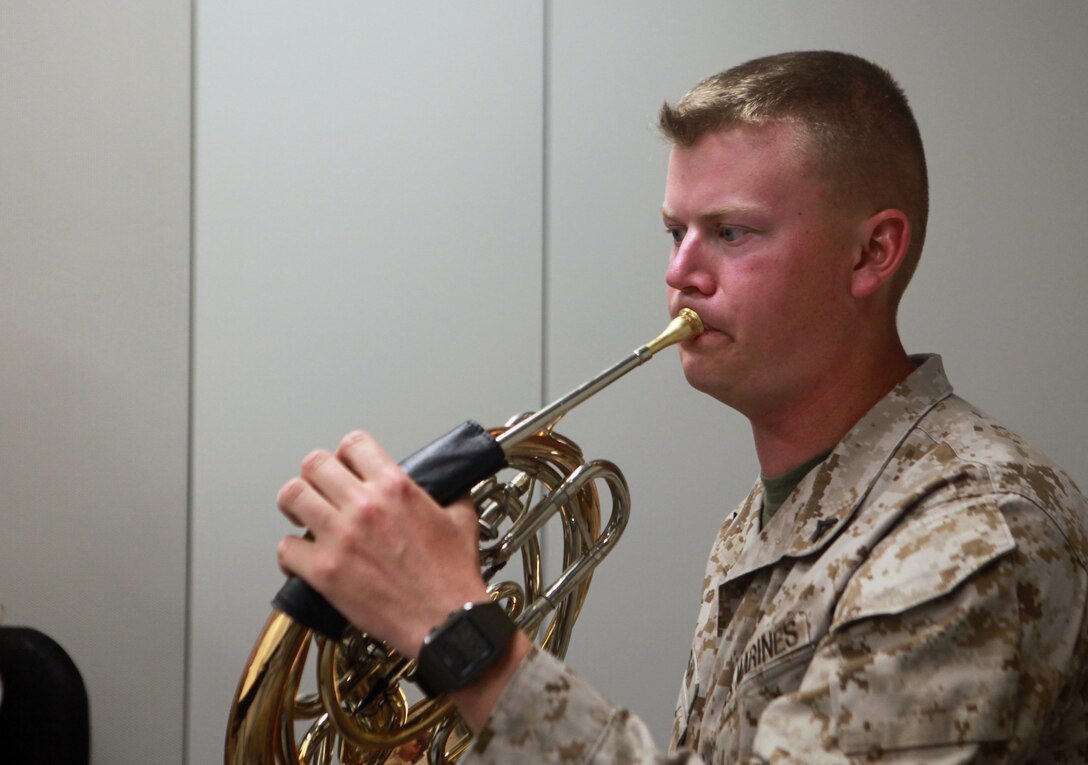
x,y
947,646
549,715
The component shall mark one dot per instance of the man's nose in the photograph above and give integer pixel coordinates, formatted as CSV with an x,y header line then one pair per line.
x,y
688,270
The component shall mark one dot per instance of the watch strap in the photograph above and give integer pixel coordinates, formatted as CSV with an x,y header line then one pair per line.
x,y
460,650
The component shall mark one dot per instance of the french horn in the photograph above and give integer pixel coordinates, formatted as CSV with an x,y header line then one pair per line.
x,y
316,691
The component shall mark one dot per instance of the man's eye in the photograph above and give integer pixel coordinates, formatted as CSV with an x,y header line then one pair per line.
x,y
730,233
676,234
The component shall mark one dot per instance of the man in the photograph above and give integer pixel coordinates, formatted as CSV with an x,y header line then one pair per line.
x,y
907,582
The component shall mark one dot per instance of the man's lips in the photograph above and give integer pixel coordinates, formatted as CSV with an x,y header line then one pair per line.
x,y
710,334
709,329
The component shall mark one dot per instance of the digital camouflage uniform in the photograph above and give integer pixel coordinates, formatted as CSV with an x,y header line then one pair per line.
x,y
920,597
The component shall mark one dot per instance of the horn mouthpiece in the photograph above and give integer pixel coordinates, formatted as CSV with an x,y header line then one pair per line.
x,y
685,326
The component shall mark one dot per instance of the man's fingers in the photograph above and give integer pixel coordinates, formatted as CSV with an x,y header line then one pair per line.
x,y
291,554
303,505
364,455
334,480
464,512
330,485
305,558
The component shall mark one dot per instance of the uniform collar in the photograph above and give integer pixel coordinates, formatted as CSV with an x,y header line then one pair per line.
x,y
822,503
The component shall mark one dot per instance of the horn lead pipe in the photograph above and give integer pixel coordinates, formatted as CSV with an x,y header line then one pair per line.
x,y
685,326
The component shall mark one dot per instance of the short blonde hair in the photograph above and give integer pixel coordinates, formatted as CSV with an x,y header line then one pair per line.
x,y
852,118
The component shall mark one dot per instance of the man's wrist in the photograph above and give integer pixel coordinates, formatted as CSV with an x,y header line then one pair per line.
x,y
462,649
476,702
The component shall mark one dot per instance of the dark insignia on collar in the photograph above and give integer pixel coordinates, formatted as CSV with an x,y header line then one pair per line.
x,y
822,527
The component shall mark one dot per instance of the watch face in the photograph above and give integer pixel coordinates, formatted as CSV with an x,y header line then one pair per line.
x,y
463,646
461,650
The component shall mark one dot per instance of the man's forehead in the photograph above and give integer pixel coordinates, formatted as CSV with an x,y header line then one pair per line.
x,y
736,169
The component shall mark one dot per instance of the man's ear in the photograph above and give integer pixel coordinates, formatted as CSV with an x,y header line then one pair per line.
x,y
886,237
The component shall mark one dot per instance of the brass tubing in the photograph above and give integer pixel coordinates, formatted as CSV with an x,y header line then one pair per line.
x,y
684,326
267,704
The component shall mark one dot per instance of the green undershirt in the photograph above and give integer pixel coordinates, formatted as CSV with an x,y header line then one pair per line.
x,y
777,488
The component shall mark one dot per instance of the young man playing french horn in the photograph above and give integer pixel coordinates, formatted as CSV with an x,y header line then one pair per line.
x,y
907,581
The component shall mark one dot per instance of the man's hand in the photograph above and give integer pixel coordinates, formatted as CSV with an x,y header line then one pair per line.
x,y
389,558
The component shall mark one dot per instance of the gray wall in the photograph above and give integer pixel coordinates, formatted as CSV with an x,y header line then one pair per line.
x,y
368,254
94,346
411,213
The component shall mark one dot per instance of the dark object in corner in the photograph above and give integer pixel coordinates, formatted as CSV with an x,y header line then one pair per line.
x,y
44,712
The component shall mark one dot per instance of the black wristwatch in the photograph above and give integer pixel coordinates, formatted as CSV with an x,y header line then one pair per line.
x,y
459,651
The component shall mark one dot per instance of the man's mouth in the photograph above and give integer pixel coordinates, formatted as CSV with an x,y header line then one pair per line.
x,y
708,329
710,334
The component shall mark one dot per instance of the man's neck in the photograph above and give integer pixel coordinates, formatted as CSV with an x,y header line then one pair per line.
x,y
788,435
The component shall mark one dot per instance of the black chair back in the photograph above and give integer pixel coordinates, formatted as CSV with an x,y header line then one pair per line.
x,y
44,712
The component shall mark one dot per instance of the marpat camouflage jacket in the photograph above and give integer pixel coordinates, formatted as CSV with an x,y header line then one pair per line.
x,y
920,597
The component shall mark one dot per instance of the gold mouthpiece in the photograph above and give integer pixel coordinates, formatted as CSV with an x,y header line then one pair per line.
x,y
685,326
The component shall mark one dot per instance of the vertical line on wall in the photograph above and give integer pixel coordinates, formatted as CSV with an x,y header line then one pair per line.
x,y
545,104
544,179
187,657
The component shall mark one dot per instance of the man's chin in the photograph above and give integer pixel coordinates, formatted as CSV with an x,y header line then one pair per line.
x,y
714,380
701,377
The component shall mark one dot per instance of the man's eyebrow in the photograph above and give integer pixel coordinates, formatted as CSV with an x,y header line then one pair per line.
x,y
721,212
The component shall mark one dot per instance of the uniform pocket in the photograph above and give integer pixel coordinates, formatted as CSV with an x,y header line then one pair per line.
x,y
897,704
762,685
928,634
